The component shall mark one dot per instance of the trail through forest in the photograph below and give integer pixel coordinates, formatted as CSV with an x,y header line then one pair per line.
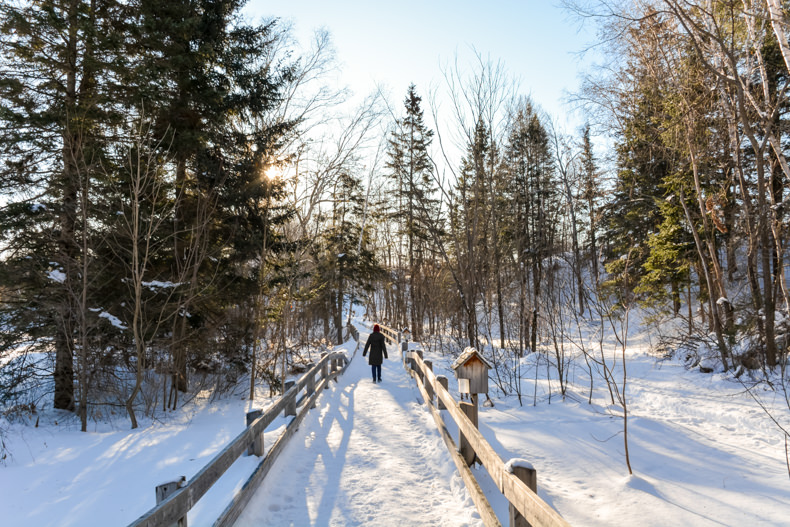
x,y
369,456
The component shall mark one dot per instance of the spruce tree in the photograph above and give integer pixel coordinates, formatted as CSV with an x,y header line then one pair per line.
x,y
632,213
210,77
414,206
77,80
345,259
591,198
535,197
60,63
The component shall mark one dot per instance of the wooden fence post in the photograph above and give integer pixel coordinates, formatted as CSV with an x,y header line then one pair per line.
x,y
324,368
419,371
443,381
428,387
413,362
290,405
256,447
524,471
311,386
467,452
165,490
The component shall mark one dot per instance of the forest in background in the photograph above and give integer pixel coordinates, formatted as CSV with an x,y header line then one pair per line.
x,y
189,204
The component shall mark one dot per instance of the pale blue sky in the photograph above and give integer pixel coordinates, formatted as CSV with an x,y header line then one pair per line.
x,y
399,42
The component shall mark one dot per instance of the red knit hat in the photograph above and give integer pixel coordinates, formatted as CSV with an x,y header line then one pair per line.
x,y
376,328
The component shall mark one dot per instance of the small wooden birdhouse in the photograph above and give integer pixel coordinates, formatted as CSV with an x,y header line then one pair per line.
x,y
471,370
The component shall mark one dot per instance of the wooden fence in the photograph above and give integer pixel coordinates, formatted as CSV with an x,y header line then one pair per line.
x,y
526,507
179,497
393,335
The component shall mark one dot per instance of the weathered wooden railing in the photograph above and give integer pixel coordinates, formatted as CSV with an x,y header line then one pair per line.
x,y
514,480
179,498
353,332
393,335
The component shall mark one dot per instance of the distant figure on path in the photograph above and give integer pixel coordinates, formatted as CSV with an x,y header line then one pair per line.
x,y
377,348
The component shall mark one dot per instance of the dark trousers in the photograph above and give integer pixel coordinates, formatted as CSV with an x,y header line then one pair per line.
x,y
376,370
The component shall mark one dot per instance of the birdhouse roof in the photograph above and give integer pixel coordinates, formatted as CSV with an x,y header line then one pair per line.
x,y
467,355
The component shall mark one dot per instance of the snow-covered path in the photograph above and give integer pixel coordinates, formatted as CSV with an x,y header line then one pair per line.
x,y
369,455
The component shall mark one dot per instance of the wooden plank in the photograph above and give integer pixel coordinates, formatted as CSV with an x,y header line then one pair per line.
x,y
529,476
166,490
428,387
484,508
242,498
443,381
290,408
536,511
465,448
177,505
256,448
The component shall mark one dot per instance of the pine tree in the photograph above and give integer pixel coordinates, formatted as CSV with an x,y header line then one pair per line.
x,y
343,261
591,198
414,206
632,213
209,77
60,64
535,199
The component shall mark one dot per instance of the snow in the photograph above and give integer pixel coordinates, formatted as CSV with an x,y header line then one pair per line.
x,y
516,462
466,355
702,450
154,284
115,321
56,275
372,456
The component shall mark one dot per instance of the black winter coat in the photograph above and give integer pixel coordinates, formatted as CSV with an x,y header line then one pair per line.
x,y
377,347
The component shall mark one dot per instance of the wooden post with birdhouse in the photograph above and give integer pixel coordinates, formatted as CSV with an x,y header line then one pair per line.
x,y
405,339
471,370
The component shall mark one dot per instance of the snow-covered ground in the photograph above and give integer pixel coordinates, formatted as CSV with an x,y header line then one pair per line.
x,y
370,456
702,450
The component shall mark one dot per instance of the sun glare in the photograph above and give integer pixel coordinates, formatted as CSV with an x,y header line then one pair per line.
x,y
273,173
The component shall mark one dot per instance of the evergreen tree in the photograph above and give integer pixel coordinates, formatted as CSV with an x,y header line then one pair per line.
x,y
535,198
468,223
79,80
344,262
632,213
591,198
59,67
414,206
208,77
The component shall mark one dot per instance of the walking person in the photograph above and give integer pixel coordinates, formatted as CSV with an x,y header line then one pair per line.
x,y
378,352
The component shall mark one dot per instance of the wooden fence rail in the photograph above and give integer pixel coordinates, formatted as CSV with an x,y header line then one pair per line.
x,y
174,509
393,335
522,498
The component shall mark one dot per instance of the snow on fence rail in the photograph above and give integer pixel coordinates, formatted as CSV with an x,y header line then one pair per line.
x,y
516,480
178,498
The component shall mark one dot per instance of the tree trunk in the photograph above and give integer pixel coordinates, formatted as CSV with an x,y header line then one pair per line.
x,y
67,245
177,342
339,312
